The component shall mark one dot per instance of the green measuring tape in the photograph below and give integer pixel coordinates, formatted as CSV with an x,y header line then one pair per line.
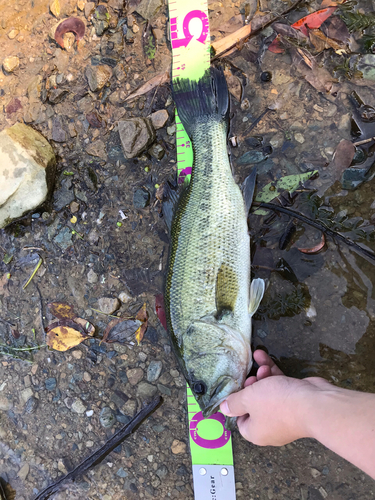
x,y
210,442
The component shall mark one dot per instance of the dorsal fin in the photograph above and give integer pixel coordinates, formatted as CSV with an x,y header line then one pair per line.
x,y
171,196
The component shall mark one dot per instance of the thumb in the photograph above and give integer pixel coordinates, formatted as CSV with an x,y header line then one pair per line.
x,y
237,404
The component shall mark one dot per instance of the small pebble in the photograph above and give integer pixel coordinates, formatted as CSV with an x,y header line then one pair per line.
x,y
178,447
77,354
50,384
299,138
10,64
92,277
108,305
78,406
23,472
154,370
125,297
314,472
135,375
90,413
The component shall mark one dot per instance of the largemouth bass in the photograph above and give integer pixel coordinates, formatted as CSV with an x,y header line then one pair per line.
x,y
208,300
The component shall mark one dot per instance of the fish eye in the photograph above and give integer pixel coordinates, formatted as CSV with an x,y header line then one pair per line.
x,y
200,388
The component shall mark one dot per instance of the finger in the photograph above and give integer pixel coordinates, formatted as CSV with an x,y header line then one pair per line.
x,y
263,372
236,404
262,359
250,381
243,424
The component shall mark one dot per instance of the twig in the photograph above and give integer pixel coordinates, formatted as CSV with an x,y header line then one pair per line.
x,y
34,272
253,32
257,120
365,141
32,348
318,225
99,455
41,312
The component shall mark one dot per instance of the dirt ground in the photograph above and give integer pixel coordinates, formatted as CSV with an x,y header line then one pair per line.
x,y
101,234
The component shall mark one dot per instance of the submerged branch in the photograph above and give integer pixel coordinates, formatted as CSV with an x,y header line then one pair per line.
x,y
318,225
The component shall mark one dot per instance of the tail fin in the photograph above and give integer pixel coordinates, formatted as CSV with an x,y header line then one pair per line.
x,y
197,100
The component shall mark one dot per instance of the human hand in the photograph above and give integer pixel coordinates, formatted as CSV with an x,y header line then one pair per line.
x,y
273,409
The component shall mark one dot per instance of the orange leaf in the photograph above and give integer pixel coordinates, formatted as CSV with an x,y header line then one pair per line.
x,y
276,46
314,20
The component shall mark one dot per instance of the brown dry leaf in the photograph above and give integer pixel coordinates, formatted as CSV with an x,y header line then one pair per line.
x,y
234,24
335,29
319,77
234,85
61,310
88,327
306,57
64,335
151,84
143,317
120,330
4,285
317,37
341,160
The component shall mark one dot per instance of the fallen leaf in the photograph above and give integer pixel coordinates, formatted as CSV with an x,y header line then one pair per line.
x,y
273,189
88,327
119,330
336,29
4,280
313,20
317,248
234,85
156,81
341,160
143,317
160,310
64,335
319,77
276,47
61,310
321,41
235,23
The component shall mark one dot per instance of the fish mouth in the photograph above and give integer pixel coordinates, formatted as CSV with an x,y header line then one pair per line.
x,y
219,395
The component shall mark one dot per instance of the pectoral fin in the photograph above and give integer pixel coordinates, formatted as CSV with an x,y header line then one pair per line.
x,y
256,294
226,290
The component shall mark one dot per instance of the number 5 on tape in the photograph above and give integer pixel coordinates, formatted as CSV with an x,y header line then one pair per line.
x,y
211,454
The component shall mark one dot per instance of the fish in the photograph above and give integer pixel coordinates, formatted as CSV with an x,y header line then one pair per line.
x,y
209,301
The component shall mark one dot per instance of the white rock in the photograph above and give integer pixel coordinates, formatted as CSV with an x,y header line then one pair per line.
x,y
27,166
11,64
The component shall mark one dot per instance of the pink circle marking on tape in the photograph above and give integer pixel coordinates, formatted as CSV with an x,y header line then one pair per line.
x,y
208,443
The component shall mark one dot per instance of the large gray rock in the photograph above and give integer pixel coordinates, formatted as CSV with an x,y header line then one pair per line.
x,y
27,168
136,135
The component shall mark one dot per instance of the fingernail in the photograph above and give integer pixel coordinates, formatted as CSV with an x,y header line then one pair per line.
x,y
224,407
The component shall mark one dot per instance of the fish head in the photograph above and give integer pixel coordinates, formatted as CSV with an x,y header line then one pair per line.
x,y
217,360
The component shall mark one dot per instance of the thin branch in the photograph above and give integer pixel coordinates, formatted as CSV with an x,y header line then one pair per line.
x,y
318,225
100,454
